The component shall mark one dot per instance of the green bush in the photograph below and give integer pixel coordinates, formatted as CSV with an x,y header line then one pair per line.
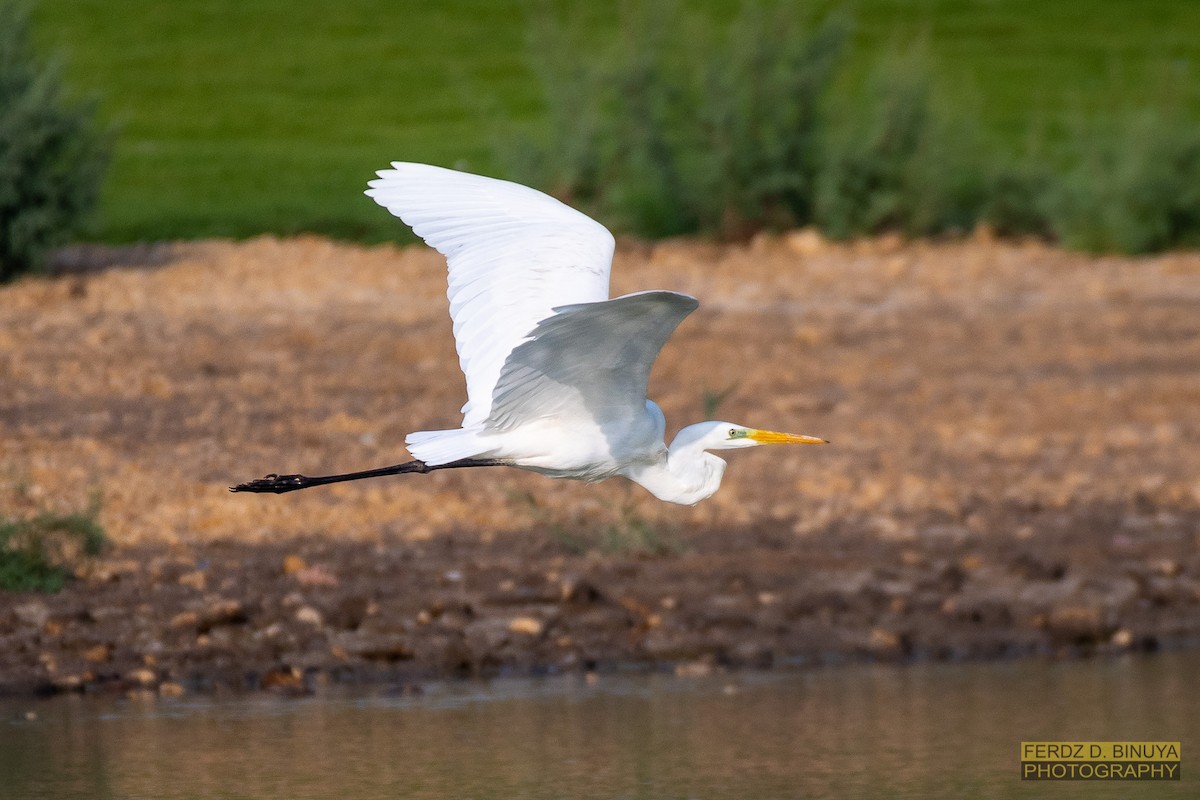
x,y
1016,199
896,160
40,554
52,155
683,126
1134,186
687,126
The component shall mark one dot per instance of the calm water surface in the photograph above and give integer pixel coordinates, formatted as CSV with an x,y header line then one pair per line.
x,y
927,731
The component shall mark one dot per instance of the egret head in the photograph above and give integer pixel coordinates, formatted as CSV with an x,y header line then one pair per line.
x,y
691,473
731,436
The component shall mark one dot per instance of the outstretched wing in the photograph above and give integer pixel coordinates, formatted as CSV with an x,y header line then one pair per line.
x,y
514,254
590,360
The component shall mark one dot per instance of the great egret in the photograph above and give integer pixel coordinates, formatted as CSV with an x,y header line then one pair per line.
x,y
556,371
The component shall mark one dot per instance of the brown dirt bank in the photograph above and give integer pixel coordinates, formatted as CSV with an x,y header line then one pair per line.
x,y
1015,468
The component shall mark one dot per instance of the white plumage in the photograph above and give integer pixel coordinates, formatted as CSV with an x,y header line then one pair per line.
x,y
556,372
514,254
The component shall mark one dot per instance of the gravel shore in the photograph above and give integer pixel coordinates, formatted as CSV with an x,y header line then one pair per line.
x,y
1014,468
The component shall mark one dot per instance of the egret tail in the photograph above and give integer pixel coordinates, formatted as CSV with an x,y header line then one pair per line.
x,y
444,447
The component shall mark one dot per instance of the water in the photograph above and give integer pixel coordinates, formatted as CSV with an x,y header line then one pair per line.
x,y
926,731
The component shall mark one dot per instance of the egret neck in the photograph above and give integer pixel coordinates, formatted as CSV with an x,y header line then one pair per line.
x,y
687,473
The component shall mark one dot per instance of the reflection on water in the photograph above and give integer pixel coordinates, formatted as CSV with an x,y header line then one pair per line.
x,y
927,731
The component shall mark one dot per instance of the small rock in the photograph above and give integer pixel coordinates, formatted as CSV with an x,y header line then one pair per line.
x,y
194,580
693,669
185,619
141,676
1122,638
525,625
884,642
316,575
271,631
309,616
98,654
581,592
34,613
170,689
1167,567
222,612
285,679
69,683
293,564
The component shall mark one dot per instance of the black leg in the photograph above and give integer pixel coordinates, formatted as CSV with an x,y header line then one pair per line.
x,y
278,484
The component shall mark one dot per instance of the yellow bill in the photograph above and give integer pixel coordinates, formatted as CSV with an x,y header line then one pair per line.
x,y
774,437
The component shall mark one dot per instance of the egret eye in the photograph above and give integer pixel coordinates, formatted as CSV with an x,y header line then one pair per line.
x,y
734,433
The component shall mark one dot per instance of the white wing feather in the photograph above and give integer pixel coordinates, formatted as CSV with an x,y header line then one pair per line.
x,y
514,255
589,362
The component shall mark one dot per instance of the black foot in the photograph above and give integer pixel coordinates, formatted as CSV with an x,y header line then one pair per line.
x,y
275,484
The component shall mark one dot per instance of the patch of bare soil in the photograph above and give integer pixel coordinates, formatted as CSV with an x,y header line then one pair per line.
x,y
1015,468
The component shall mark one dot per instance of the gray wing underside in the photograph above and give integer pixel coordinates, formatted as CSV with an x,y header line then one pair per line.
x,y
588,360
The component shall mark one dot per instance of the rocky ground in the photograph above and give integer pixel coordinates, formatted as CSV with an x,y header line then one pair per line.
x,y
1015,468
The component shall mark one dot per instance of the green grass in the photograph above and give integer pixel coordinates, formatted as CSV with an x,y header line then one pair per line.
x,y
240,117
39,554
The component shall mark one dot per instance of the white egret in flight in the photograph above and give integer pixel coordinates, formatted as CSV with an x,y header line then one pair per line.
x,y
556,371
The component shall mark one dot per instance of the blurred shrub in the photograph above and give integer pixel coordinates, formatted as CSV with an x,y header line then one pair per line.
x,y
1016,199
684,127
40,554
687,126
52,155
894,160
1134,186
